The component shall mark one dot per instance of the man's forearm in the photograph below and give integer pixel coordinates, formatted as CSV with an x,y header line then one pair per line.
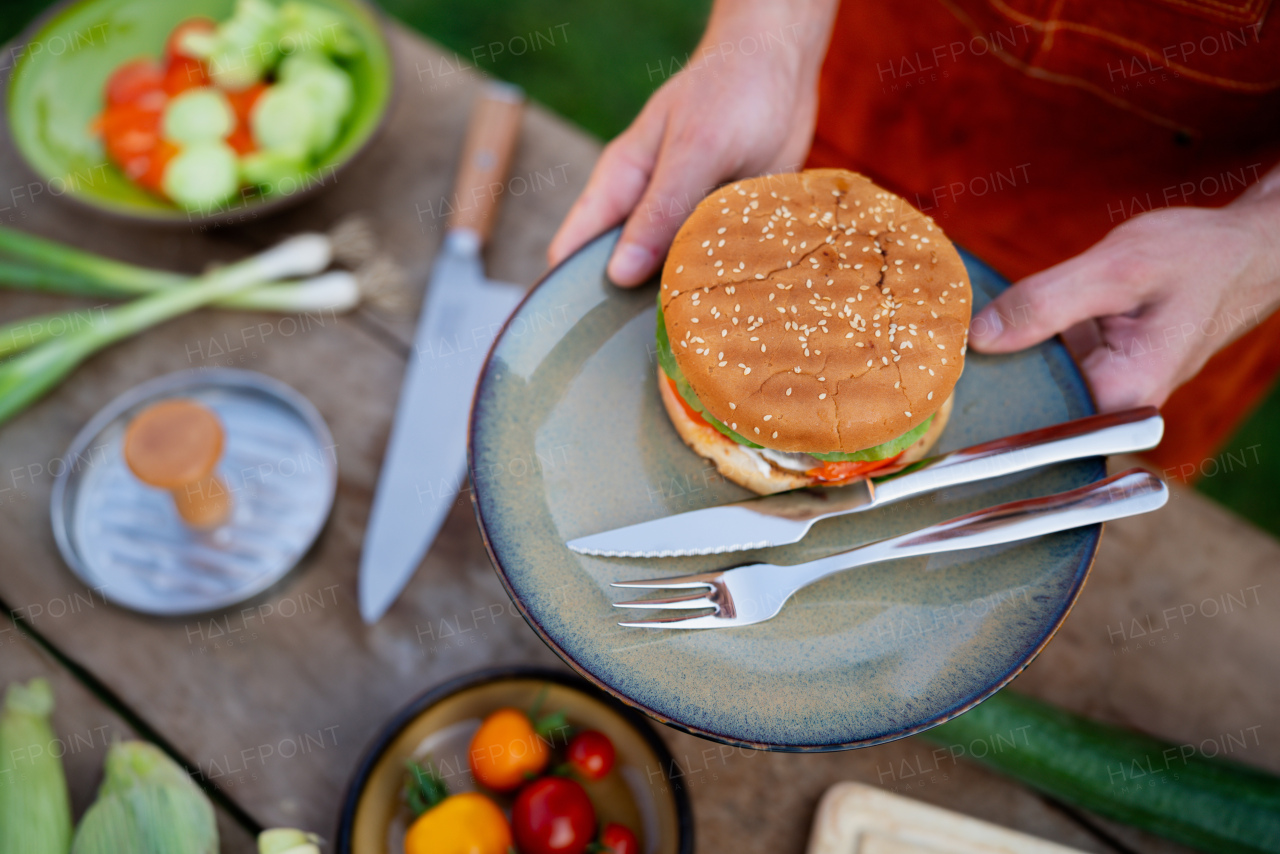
x,y
802,28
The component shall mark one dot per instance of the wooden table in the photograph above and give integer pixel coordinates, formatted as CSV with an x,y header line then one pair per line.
x,y
229,694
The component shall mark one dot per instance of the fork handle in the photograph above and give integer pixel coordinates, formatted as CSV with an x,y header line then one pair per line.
x,y
1126,494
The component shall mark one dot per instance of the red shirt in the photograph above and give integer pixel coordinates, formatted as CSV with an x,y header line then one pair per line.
x,y
1030,128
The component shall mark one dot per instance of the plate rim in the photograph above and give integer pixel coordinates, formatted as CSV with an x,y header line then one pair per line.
x,y
1081,574
409,712
171,382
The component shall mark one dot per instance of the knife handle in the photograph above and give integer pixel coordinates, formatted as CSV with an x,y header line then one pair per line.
x,y
1095,436
486,156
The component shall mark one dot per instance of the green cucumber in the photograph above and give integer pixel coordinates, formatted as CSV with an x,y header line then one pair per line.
x,y
198,115
329,90
247,45
283,120
305,26
1174,791
202,176
273,172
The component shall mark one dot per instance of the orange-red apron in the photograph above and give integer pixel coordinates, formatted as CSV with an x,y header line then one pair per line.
x,y
1030,128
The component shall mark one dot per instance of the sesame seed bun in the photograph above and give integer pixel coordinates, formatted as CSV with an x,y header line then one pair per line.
x,y
815,312
739,465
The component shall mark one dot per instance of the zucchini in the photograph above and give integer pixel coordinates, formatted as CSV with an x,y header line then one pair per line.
x,y
1171,790
198,115
202,175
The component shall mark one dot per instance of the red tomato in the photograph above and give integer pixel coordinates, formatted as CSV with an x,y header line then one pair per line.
x,y
129,131
133,80
241,139
553,815
197,25
618,839
184,73
242,101
591,754
152,166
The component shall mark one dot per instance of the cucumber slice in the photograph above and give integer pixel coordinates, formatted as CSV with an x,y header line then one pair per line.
x,y
328,87
285,120
304,26
275,173
198,115
247,45
202,176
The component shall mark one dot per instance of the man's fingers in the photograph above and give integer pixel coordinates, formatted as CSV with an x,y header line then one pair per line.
x,y
1041,306
616,185
684,175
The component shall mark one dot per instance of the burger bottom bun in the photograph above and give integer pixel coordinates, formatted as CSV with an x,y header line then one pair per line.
x,y
740,466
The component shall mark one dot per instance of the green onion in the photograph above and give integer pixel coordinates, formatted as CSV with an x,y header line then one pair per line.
x,y
46,265
29,376
335,291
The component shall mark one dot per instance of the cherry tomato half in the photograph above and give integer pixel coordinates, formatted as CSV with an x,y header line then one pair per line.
x,y
553,815
173,47
505,751
129,131
184,73
134,80
148,169
618,839
591,754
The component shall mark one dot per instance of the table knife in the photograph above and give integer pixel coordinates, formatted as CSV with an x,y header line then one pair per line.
x,y
777,520
462,312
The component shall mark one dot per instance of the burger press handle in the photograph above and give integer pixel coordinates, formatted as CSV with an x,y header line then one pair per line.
x,y
777,520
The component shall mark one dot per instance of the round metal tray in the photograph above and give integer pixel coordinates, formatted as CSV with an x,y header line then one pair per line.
x,y
125,539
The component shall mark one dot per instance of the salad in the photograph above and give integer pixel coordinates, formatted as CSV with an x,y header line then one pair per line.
x,y
526,761
246,106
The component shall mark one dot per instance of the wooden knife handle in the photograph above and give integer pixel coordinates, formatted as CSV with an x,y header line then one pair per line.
x,y
486,156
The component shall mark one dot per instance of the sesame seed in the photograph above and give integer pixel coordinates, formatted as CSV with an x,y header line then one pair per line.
x,y
775,434
788,392
822,396
908,414
757,429
768,418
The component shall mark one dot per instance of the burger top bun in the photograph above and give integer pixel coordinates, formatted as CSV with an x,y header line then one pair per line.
x,y
815,312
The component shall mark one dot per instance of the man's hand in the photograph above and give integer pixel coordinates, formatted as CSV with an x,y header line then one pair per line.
x,y
1146,307
745,104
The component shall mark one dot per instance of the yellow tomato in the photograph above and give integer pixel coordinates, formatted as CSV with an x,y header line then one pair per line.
x,y
468,823
506,750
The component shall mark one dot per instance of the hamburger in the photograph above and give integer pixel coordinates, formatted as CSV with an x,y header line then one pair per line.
x,y
811,330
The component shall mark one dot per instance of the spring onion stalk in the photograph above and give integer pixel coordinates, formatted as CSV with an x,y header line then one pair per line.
x,y
35,812
146,805
53,267
27,377
335,291
286,840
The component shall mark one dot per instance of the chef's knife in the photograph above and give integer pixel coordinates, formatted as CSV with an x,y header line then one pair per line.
x,y
461,314
782,519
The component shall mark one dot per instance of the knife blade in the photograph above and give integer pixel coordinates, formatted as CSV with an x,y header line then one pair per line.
x,y
785,518
425,460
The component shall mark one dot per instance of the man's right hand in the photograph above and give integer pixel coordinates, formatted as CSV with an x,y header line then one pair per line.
x,y
745,104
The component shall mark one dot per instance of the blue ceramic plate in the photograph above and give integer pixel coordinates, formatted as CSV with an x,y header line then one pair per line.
x,y
568,437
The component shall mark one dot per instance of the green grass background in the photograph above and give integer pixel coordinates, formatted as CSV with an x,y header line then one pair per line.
x,y
596,63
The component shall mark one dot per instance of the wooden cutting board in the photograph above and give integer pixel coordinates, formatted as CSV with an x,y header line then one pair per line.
x,y
854,818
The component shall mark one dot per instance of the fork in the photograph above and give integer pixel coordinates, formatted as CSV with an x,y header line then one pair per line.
x,y
744,595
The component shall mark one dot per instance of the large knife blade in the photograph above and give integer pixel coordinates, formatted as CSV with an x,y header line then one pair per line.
x,y
425,461
785,518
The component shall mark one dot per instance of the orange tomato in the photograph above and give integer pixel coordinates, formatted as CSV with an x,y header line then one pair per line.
x,y
505,751
467,823
133,81
184,73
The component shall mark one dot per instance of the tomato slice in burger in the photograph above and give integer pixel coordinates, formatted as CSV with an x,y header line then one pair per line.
x,y
843,472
